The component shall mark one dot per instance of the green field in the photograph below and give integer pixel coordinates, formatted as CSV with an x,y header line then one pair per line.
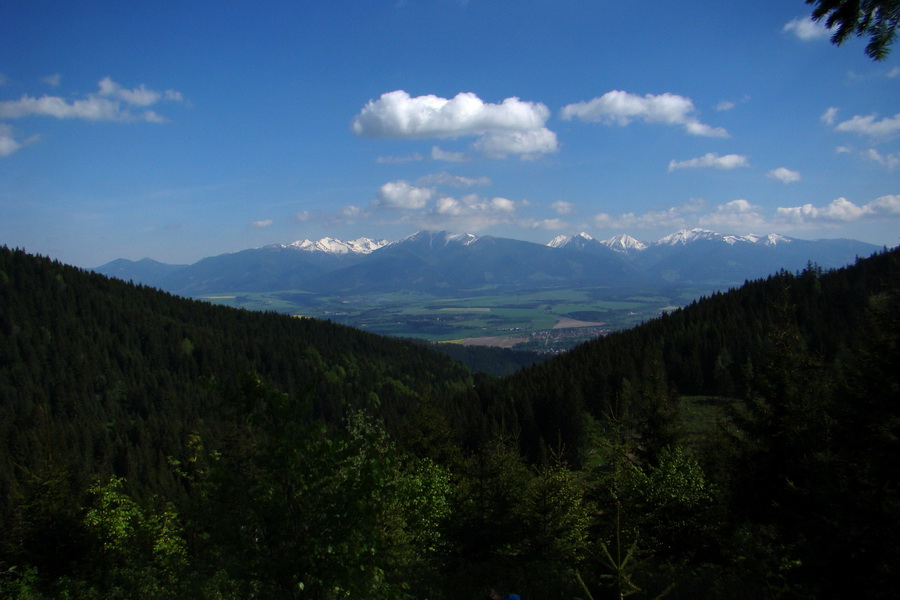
x,y
547,320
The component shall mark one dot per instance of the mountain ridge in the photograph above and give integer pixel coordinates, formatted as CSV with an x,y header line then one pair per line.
x,y
441,262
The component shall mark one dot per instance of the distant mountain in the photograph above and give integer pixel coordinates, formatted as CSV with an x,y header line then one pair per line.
x,y
709,257
279,266
443,263
624,243
330,245
146,271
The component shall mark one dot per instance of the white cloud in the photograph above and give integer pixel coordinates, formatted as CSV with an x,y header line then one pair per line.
x,y
621,108
711,160
139,96
93,108
885,205
895,72
784,175
511,127
869,126
806,29
562,207
891,161
399,160
262,224
528,144
486,209
839,210
304,216
8,142
458,181
547,224
503,205
725,105
438,154
829,115
106,105
351,212
52,80
2,79
401,194
737,214
676,217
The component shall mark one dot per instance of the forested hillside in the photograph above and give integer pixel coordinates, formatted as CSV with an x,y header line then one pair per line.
x,y
154,447
717,346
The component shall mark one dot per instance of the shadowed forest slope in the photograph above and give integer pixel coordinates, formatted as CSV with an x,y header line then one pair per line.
x,y
151,446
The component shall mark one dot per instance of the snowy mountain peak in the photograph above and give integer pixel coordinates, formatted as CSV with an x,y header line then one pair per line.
x,y
440,238
686,236
773,239
559,241
624,243
564,240
330,245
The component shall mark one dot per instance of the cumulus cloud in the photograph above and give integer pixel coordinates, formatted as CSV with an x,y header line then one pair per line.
x,y
438,154
262,224
562,207
621,108
839,210
8,142
528,144
510,127
106,105
139,96
420,205
784,175
93,108
674,217
738,214
304,216
475,206
885,205
804,28
53,80
444,178
627,220
711,160
399,160
546,224
402,194
351,212
829,115
869,125
891,161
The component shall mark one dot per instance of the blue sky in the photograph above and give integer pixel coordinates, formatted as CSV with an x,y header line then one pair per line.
x,y
187,129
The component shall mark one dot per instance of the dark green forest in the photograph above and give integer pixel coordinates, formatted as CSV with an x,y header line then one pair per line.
x,y
745,446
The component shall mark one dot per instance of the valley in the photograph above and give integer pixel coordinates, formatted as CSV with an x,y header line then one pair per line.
x,y
488,291
546,320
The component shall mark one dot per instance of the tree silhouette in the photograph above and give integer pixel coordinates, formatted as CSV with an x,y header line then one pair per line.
x,y
876,19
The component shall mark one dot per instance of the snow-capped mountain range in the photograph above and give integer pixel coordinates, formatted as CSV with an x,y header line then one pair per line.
x,y
443,263
625,243
332,245
622,243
